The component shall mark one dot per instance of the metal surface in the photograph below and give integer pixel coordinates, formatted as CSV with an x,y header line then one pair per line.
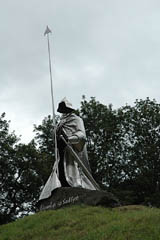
x,y
77,159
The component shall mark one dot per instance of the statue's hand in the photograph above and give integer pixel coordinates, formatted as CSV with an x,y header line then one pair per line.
x,y
73,139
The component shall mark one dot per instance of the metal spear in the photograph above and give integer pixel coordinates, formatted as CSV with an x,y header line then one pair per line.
x,y
47,32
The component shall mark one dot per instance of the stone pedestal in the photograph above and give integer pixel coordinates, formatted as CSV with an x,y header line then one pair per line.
x,y
66,196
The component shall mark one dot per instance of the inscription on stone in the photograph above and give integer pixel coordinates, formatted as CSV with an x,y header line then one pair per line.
x,y
68,196
65,201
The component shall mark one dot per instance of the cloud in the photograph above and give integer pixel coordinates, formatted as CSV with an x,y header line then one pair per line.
x,y
107,49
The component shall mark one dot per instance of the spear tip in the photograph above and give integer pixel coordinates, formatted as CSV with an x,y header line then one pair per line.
x,y
47,31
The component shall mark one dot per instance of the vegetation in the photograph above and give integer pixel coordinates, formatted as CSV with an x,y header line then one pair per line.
x,y
123,148
87,223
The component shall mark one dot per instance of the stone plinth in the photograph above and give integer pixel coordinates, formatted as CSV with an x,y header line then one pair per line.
x,y
66,196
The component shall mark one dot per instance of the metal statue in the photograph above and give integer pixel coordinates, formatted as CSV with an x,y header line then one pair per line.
x,y
72,167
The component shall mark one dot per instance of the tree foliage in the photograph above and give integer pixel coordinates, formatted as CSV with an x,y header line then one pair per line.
x,y
101,125
19,175
123,146
44,140
141,131
7,169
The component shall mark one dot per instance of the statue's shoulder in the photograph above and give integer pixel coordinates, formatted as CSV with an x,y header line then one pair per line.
x,y
75,117
71,118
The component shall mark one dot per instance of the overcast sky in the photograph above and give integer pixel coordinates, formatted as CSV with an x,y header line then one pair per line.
x,y
109,49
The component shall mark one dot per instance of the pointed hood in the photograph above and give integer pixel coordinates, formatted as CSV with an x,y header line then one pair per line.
x,y
65,106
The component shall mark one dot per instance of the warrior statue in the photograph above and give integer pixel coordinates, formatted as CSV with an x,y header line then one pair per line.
x,y
71,147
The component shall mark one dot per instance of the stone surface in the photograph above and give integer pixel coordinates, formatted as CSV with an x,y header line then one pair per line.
x,y
66,196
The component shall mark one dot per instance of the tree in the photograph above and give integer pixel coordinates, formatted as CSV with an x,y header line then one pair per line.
x,y
123,146
141,131
20,180
8,170
44,140
28,179
102,129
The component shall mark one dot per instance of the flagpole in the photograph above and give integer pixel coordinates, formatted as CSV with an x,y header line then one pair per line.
x,y
47,32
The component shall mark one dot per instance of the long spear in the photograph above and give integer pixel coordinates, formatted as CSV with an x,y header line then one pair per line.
x,y
47,32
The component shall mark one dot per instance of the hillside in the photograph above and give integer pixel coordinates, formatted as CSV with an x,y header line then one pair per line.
x,y
87,223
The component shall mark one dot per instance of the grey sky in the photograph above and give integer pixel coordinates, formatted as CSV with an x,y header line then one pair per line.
x,y
109,49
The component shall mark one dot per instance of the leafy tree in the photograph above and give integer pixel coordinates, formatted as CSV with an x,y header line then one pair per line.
x,y
44,140
28,180
7,170
123,147
141,131
102,129
20,181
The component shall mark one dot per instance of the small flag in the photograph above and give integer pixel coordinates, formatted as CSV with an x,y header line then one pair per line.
x,y
47,31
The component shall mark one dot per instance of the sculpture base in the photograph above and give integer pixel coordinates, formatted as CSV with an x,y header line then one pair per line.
x,y
66,196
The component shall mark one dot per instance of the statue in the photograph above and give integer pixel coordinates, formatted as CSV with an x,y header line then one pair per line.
x,y
72,168
71,181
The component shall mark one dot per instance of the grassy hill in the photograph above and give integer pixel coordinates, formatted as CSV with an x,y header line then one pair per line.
x,y
87,223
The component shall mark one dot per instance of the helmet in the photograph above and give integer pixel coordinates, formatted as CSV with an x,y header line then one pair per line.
x,y
65,106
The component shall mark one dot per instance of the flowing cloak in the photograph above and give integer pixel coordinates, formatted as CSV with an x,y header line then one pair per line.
x,y
71,125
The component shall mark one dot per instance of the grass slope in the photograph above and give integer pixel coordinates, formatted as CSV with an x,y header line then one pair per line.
x,y
87,223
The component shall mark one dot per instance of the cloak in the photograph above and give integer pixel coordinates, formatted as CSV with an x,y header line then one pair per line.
x,y
71,126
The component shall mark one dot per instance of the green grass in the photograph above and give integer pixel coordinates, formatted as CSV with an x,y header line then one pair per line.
x,y
87,223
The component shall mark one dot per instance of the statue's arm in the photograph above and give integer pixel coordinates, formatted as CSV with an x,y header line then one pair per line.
x,y
78,138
